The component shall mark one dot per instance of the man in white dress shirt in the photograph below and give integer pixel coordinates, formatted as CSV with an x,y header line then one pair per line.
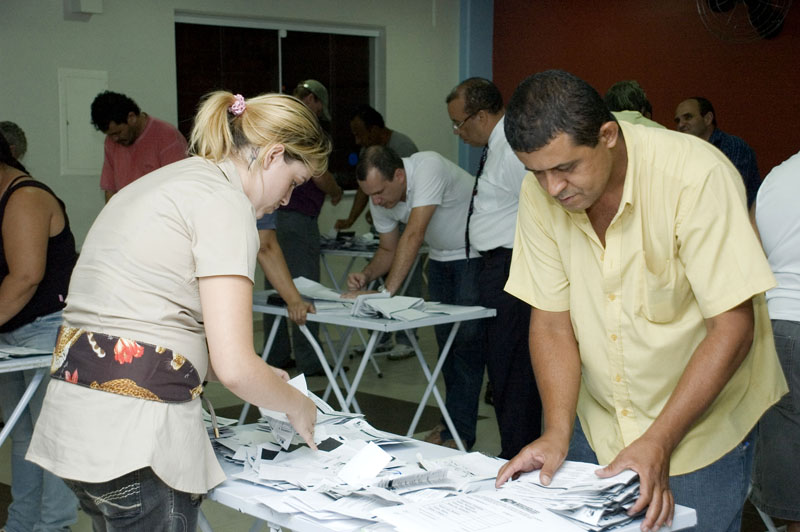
x,y
476,109
430,194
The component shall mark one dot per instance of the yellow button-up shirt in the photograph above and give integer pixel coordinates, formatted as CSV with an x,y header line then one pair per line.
x,y
679,250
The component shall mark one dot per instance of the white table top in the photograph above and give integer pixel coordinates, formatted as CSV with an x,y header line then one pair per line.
x,y
343,317
238,494
10,364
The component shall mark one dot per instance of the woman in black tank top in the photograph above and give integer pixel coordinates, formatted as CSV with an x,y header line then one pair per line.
x,y
37,254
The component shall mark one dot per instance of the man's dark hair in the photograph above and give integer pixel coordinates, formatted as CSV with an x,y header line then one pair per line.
x,y
627,95
705,108
369,116
110,107
7,158
15,137
553,102
383,158
479,94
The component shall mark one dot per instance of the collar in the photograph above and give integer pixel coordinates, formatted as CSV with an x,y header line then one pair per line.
x,y
230,174
498,134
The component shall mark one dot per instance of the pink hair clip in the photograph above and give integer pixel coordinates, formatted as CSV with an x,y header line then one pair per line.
x,y
238,106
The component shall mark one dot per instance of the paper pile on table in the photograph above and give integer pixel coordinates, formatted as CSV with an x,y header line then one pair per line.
x,y
576,493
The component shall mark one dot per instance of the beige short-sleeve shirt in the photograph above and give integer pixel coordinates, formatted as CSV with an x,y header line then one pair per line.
x,y
137,277
679,250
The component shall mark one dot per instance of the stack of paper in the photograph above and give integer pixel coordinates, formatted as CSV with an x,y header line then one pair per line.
x,y
382,305
576,493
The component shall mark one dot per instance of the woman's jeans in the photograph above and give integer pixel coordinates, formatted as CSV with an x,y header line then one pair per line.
x,y
137,501
40,500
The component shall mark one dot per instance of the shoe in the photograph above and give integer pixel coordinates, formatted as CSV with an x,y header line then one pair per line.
x,y
435,435
401,352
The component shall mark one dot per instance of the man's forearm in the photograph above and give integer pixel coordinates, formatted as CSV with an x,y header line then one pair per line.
x,y
379,265
272,261
327,183
715,360
407,251
557,367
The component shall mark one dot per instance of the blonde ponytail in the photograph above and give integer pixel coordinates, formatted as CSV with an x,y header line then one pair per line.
x,y
267,120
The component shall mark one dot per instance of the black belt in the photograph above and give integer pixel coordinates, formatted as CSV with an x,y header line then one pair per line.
x,y
496,252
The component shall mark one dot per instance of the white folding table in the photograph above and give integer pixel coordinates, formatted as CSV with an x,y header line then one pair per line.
x,y
40,363
239,495
377,326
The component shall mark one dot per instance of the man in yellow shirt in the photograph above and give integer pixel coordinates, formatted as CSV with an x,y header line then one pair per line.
x,y
634,249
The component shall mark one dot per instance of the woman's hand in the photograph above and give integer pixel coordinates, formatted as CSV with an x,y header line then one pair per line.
x,y
303,418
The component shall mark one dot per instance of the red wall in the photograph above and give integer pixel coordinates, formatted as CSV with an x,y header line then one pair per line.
x,y
663,44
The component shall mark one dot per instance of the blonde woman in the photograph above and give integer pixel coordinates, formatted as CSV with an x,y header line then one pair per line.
x,y
166,270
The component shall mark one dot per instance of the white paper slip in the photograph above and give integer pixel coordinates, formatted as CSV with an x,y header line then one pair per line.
x,y
365,465
473,512
314,290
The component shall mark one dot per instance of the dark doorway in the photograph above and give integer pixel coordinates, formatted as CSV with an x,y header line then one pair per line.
x,y
245,60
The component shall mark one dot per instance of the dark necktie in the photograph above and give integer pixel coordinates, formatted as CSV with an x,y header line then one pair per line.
x,y
472,198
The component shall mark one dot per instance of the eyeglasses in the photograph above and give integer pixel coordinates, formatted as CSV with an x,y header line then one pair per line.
x,y
457,125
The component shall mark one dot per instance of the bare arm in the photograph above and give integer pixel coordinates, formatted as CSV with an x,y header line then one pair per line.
x,y
408,247
712,365
557,366
26,230
226,301
380,263
272,261
329,186
359,203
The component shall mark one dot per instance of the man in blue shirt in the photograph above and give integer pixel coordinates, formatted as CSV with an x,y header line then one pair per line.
x,y
696,116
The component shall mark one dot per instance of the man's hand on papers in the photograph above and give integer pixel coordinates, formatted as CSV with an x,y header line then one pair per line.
x,y
297,311
303,419
547,453
356,281
651,461
352,294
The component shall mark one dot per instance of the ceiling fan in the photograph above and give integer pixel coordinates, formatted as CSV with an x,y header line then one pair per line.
x,y
743,20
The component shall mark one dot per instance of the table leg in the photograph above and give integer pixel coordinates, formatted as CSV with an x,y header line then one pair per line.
x,y
326,368
431,388
338,364
23,402
202,522
373,339
267,346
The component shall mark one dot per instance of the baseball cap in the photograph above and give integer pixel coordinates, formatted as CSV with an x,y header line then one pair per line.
x,y
318,90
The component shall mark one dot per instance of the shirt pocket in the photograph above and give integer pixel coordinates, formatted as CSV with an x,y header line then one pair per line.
x,y
662,295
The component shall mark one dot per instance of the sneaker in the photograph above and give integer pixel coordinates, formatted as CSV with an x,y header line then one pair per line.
x,y
401,352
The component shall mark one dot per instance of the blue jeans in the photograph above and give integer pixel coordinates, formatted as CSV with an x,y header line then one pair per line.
x,y
456,282
777,462
136,501
298,237
40,500
717,492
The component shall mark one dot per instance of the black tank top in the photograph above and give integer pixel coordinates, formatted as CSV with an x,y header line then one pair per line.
x,y
52,290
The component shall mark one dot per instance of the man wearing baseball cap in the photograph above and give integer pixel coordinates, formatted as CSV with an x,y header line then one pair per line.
x,y
315,96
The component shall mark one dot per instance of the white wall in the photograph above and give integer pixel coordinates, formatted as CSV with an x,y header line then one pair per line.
x,y
133,40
